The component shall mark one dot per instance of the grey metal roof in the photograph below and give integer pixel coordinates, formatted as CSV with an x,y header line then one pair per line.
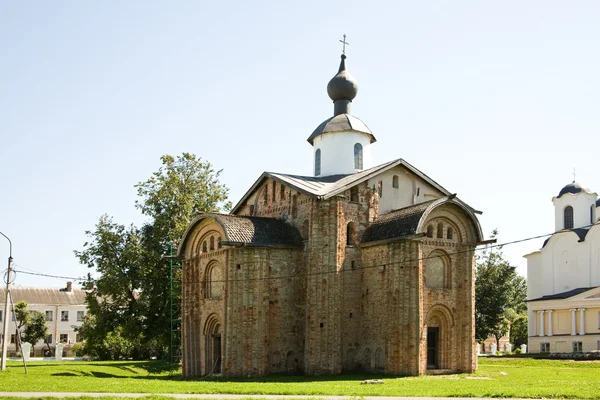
x,y
251,231
564,295
325,187
341,123
399,223
45,296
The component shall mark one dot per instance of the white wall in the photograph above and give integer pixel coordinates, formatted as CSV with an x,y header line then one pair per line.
x,y
411,190
56,327
581,203
337,152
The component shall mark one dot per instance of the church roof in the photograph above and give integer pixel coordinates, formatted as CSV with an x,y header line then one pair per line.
x,y
399,223
581,232
341,123
573,188
325,187
251,231
564,295
46,296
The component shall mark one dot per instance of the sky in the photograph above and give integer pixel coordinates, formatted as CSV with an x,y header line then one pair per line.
x,y
496,101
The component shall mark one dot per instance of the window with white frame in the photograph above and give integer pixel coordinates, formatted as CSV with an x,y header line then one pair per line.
x,y
64,315
545,347
80,315
577,347
49,315
64,337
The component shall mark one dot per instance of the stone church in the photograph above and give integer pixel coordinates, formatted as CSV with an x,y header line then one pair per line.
x,y
358,267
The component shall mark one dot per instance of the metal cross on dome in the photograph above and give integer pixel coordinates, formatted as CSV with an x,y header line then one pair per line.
x,y
344,44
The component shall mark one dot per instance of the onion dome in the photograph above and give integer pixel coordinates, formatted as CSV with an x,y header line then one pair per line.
x,y
598,203
342,86
572,188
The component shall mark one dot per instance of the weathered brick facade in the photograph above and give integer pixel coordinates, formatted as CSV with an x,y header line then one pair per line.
x,y
346,289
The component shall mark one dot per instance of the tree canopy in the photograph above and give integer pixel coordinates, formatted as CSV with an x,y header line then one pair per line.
x,y
129,288
500,294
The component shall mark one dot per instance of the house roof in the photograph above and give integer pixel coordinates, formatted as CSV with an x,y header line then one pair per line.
x,y
564,295
45,296
324,187
399,223
251,231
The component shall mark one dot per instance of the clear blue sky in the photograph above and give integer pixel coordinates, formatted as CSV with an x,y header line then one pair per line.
x,y
497,101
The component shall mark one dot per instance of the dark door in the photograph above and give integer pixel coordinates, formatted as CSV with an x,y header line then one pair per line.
x,y
217,354
433,339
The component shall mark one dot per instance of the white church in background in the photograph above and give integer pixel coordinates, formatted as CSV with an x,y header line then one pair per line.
x,y
563,278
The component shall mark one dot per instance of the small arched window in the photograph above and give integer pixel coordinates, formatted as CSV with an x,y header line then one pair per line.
x,y
354,193
430,231
592,214
395,181
212,243
568,217
351,234
318,162
440,231
450,233
266,193
281,192
204,247
219,245
358,156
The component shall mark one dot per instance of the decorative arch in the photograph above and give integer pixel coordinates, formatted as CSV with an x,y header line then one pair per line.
x,y
439,324
438,270
472,228
351,363
379,364
430,231
366,363
213,349
213,281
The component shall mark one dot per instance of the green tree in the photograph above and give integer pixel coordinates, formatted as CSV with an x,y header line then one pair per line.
x,y
21,320
130,288
500,294
518,331
36,329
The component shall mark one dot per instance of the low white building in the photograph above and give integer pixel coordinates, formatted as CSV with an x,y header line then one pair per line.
x,y
563,278
64,310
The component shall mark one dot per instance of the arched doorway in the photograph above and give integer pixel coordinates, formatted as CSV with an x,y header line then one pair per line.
x,y
212,333
439,336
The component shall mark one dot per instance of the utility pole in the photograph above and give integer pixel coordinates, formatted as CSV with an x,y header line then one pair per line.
x,y
5,335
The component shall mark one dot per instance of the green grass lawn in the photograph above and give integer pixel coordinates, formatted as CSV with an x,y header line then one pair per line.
x,y
496,377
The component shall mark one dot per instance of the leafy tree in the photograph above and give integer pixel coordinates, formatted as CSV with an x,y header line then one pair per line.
x,y
36,329
21,320
500,295
130,289
518,331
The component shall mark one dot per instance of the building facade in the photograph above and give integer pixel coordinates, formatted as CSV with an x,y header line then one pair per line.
x,y
563,278
64,310
357,267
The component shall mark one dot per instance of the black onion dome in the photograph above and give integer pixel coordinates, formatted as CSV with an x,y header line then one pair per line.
x,y
598,203
342,86
572,188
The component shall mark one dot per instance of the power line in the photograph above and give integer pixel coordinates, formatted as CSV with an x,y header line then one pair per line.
x,y
390,264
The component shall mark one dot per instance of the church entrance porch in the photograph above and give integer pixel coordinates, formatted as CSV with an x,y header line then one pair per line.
x,y
213,346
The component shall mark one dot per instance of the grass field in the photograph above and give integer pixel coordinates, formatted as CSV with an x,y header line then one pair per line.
x,y
496,377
